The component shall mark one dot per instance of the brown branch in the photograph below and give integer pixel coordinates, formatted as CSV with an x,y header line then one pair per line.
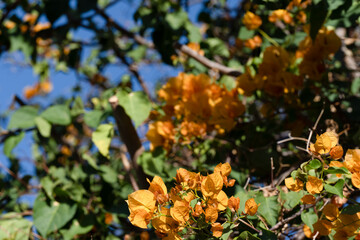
x,y
207,62
313,129
127,167
286,220
138,39
130,138
183,48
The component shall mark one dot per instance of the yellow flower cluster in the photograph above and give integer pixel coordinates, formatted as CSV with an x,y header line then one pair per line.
x,y
199,103
194,203
345,225
314,52
273,75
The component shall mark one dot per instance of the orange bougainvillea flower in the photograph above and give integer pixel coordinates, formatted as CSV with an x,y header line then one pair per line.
x,y
355,179
251,207
323,227
222,201
43,87
253,43
41,26
314,185
217,229
198,210
294,185
165,224
211,185
161,133
180,212
141,205
141,199
331,212
211,214
352,160
158,188
324,143
336,152
140,217
108,218
187,179
308,199
307,232
251,21
281,15
225,170
234,203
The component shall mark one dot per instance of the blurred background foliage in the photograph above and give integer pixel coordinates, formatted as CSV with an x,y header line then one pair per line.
x,y
86,148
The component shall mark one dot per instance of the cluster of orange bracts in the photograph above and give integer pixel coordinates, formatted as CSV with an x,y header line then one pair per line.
x,y
194,202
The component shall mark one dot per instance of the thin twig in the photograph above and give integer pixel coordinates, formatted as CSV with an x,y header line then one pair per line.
x,y
14,176
207,62
247,182
313,129
286,220
291,138
247,224
127,167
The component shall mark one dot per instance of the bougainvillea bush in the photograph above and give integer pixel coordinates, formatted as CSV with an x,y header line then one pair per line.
x,y
185,120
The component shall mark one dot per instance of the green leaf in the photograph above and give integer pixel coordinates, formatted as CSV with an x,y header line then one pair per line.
x,y
351,209
291,199
309,218
337,189
336,170
43,126
11,143
102,138
194,34
20,42
153,162
218,47
108,174
267,235
94,118
136,105
78,107
48,185
227,230
57,114
318,15
245,33
50,218
14,227
137,53
23,118
269,208
355,86
176,19
246,235
193,202
90,160
334,4
315,164
78,228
